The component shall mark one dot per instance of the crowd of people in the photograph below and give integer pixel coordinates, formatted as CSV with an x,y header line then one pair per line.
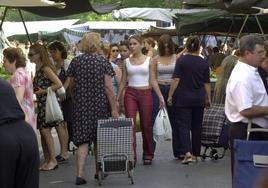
x,y
109,80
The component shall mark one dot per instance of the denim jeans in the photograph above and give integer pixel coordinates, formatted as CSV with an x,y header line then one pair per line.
x,y
175,136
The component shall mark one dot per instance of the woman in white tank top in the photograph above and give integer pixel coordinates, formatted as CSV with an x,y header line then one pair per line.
x,y
138,95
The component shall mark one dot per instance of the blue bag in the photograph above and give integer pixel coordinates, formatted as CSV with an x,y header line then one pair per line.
x,y
246,170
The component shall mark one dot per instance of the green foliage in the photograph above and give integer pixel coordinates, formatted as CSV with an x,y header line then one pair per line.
x,y
3,73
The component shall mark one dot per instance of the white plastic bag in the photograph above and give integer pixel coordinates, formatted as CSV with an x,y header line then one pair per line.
x,y
162,127
53,110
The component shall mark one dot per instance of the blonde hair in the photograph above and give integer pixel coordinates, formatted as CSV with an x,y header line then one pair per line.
x,y
90,42
43,53
228,64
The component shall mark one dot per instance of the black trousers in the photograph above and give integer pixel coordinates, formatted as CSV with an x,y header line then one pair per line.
x,y
188,121
19,156
239,131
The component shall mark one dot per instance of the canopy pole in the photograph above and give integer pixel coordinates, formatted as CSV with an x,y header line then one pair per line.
x,y
3,19
242,27
260,27
28,36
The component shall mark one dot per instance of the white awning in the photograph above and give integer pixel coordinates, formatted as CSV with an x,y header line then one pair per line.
x,y
30,3
161,14
17,28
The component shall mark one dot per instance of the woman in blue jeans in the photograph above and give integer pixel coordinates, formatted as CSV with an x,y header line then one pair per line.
x,y
163,66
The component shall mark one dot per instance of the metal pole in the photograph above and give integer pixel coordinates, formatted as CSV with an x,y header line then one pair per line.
x,y
4,17
242,27
28,36
259,24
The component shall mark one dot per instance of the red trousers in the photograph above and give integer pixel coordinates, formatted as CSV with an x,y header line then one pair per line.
x,y
140,100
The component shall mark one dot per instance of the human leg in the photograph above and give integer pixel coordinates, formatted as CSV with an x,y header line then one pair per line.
x,y
131,108
196,129
63,139
154,113
48,141
182,124
145,108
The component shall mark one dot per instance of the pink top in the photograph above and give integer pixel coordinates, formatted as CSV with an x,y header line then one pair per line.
x,y
21,78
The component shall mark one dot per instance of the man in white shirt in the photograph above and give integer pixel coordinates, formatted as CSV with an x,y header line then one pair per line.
x,y
246,97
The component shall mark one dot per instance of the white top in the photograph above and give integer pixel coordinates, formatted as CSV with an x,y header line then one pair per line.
x,y
245,89
165,72
138,75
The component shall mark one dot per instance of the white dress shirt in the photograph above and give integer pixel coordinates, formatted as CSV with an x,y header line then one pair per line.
x,y
244,90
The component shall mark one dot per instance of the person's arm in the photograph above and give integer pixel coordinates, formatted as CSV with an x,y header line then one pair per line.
x,y
56,83
110,95
19,91
118,74
174,84
123,82
154,83
255,111
208,92
181,53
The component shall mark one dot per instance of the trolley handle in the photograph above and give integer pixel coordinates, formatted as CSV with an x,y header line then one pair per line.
x,y
250,129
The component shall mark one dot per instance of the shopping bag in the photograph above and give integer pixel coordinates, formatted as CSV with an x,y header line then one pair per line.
x,y
250,159
162,127
53,110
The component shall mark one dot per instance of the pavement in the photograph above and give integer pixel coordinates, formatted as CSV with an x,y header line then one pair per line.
x,y
165,172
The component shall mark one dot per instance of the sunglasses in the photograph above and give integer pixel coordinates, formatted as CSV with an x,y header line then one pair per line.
x,y
115,50
31,55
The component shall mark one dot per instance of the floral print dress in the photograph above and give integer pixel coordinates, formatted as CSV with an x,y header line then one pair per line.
x,y
89,97
41,81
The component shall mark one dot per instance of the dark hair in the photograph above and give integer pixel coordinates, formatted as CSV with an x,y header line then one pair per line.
x,y
111,46
150,41
57,45
249,42
192,44
15,54
165,41
124,43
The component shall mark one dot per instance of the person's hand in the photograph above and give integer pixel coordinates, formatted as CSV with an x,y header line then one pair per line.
x,y
115,114
39,91
208,104
169,101
161,102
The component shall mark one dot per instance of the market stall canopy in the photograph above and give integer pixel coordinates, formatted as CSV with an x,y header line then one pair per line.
x,y
160,14
158,31
30,3
233,6
72,7
17,28
217,21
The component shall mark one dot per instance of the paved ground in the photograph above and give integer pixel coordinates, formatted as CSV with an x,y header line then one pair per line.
x,y
166,172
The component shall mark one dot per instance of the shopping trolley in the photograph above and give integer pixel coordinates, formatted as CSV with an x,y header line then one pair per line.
x,y
250,158
115,147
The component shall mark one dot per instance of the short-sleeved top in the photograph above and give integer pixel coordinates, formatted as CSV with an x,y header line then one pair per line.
x,y
89,97
21,78
193,72
245,89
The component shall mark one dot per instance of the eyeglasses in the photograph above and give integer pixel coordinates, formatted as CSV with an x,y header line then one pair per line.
x,y
115,50
31,55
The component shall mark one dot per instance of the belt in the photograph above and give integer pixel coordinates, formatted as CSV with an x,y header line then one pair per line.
x,y
163,83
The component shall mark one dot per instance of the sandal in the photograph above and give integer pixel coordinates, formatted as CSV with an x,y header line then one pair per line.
x,y
187,160
147,162
61,159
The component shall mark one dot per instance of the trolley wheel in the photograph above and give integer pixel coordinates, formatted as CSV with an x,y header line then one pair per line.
x,y
204,156
214,154
100,177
